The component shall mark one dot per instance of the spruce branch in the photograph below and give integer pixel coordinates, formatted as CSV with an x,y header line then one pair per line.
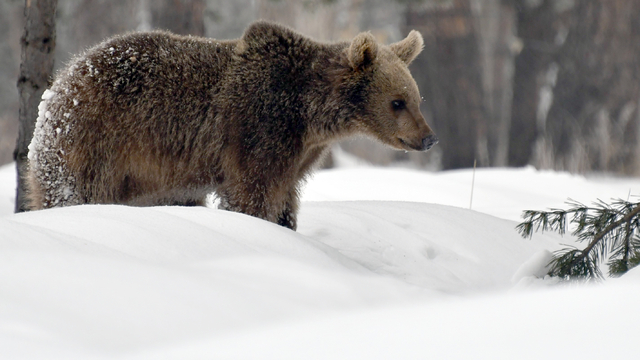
x,y
609,230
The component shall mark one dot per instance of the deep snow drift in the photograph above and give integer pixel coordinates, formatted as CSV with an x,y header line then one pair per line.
x,y
387,263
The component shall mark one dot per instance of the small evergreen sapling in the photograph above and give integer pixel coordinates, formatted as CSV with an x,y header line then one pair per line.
x,y
611,231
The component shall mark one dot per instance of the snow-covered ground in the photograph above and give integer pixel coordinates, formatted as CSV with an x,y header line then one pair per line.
x,y
387,264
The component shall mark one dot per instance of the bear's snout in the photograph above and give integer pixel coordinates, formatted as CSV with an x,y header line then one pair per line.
x,y
429,142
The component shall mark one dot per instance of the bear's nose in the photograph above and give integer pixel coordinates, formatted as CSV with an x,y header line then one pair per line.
x,y
428,142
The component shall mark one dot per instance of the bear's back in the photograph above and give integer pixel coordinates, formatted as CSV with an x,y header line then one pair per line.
x,y
137,87
146,66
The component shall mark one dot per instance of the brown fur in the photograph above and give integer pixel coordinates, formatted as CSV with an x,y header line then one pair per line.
x,y
158,119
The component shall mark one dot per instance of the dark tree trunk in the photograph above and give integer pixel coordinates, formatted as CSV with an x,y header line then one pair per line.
x,y
38,44
537,32
450,78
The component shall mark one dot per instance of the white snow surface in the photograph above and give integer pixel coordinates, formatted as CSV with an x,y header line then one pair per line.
x,y
386,264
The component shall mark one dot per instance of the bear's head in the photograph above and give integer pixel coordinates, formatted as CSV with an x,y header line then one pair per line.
x,y
390,110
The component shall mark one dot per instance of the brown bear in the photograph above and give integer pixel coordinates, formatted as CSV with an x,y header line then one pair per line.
x,y
154,118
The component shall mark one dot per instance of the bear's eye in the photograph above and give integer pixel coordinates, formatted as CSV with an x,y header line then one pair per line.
x,y
398,105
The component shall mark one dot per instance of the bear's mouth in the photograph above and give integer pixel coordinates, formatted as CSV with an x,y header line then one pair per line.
x,y
423,145
406,145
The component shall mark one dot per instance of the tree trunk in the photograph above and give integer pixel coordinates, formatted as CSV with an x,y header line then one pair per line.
x,y
450,78
536,27
38,44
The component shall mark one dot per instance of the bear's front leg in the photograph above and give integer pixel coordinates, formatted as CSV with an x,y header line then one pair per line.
x,y
260,201
288,216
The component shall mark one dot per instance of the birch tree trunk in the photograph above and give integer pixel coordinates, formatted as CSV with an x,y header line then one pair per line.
x,y
38,44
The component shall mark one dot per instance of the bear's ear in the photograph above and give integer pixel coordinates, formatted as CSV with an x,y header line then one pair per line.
x,y
409,48
363,51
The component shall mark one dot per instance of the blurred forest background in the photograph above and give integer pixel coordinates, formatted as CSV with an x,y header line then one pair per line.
x,y
549,83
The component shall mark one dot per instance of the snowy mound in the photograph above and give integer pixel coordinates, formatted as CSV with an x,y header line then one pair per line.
x,y
360,279
116,278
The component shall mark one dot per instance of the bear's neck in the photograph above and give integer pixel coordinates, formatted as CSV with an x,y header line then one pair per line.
x,y
329,114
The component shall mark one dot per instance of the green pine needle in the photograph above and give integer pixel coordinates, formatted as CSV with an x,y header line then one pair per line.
x,y
610,230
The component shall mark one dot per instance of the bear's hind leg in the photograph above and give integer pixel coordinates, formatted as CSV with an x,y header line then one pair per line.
x,y
51,185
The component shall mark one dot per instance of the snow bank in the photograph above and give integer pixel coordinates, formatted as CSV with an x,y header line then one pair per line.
x,y
360,279
114,280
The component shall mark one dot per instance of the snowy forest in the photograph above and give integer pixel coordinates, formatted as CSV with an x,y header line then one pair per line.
x,y
522,258
549,83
